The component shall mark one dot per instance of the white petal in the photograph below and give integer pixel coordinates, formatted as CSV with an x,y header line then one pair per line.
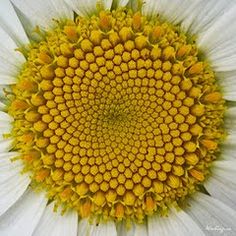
x,y
217,186
140,229
212,215
3,99
134,5
2,106
195,16
152,7
220,47
5,145
178,222
12,183
207,19
10,60
9,168
83,227
23,216
4,88
230,120
174,11
42,13
132,229
125,230
120,3
5,123
54,224
203,14
228,151
87,8
103,229
226,170
227,83
93,229
230,141
5,117
11,24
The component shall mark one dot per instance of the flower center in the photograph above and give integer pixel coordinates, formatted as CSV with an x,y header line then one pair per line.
x,y
116,116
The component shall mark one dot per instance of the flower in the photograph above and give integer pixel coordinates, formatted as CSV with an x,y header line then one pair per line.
x,y
117,117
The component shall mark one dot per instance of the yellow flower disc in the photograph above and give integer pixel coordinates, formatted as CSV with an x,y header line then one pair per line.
x,y
116,116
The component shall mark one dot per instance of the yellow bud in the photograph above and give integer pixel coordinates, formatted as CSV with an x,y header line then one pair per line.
x,y
86,45
138,190
85,209
44,58
155,53
125,34
140,42
209,144
79,53
195,92
150,204
104,20
114,38
111,196
196,129
158,186
190,146
66,50
57,174
82,189
119,211
191,158
196,68
213,97
71,32
197,174
66,194
40,126
184,50
96,37
32,116
157,32
129,198
99,198
173,181
37,100
46,85
47,72
168,52
42,174
137,21
178,170
198,110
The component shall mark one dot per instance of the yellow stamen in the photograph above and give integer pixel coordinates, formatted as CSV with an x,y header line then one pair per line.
x,y
197,174
71,32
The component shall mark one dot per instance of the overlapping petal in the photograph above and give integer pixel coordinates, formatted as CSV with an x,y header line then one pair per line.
x,y
12,183
209,213
55,224
178,222
24,215
34,13
10,23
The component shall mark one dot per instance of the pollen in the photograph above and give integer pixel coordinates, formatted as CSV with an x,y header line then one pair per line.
x,y
116,116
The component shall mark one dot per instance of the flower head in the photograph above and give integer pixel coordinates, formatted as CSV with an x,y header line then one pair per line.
x,y
116,119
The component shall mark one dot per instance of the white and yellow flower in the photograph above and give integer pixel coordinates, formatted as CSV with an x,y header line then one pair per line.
x,y
117,117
